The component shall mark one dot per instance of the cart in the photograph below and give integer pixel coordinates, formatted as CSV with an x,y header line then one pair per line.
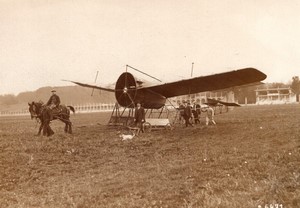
x,y
157,124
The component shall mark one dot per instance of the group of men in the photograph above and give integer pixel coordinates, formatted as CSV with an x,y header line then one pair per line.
x,y
192,114
188,113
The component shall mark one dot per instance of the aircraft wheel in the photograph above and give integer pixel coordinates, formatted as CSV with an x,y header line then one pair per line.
x,y
147,127
168,126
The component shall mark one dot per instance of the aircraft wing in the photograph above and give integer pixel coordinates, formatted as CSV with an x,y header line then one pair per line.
x,y
229,104
216,102
91,86
209,83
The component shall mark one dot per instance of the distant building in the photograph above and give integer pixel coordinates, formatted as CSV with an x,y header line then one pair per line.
x,y
201,98
275,96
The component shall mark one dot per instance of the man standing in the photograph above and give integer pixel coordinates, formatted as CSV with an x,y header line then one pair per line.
x,y
53,103
181,112
210,116
187,114
196,112
139,116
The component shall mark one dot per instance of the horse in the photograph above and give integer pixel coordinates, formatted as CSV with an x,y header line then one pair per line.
x,y
42,112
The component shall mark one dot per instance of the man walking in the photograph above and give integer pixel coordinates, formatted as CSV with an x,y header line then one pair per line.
x,y
210,116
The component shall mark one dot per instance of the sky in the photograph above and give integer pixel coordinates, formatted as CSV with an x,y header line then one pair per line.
x,y
43,42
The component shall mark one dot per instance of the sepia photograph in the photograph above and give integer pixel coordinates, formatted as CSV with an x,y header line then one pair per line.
x,y
149,104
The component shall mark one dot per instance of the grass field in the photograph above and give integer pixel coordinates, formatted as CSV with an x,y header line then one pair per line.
x,y
250,159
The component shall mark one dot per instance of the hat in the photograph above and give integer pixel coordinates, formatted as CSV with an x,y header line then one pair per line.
x,y
53,90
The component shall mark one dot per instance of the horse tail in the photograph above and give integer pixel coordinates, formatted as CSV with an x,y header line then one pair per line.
x,y
71,108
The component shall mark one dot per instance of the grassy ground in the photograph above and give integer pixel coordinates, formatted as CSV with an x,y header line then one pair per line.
x,y
250,159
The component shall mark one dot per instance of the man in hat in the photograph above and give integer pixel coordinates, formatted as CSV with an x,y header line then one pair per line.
x,y
196,112
53,102
181,112
139,116
187,114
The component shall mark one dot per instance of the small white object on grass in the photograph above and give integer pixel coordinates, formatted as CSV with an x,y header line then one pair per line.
x,y
127,136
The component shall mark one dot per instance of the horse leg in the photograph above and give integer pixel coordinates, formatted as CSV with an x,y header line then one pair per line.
x,y
49,116
50,132
40,129
70,127
45,128
66,127
47,131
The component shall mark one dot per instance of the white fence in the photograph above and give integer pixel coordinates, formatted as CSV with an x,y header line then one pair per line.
x,y
94,107
86,108
14,113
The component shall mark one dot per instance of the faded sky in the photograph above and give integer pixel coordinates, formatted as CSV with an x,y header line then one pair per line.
x,y
42,42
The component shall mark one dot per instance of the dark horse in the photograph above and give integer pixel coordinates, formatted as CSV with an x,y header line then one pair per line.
x,y
42,112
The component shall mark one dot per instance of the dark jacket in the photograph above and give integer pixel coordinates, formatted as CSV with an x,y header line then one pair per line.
x,y
139,114
181,110
198,109
54,99
188,111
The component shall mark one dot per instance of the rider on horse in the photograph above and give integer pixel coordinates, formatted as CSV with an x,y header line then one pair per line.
x,y
53,103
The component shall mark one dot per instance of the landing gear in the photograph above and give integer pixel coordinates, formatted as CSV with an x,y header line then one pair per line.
x,y
121,116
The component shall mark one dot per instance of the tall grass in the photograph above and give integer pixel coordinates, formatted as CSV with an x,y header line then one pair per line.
x,y
250,159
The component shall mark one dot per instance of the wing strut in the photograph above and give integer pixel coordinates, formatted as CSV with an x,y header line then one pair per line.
x,y
95,82
142,73
192,70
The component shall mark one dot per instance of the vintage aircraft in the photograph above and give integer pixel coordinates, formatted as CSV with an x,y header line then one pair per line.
x,y
129,90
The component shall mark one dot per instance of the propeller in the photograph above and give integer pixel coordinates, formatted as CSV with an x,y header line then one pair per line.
x,y
126,90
